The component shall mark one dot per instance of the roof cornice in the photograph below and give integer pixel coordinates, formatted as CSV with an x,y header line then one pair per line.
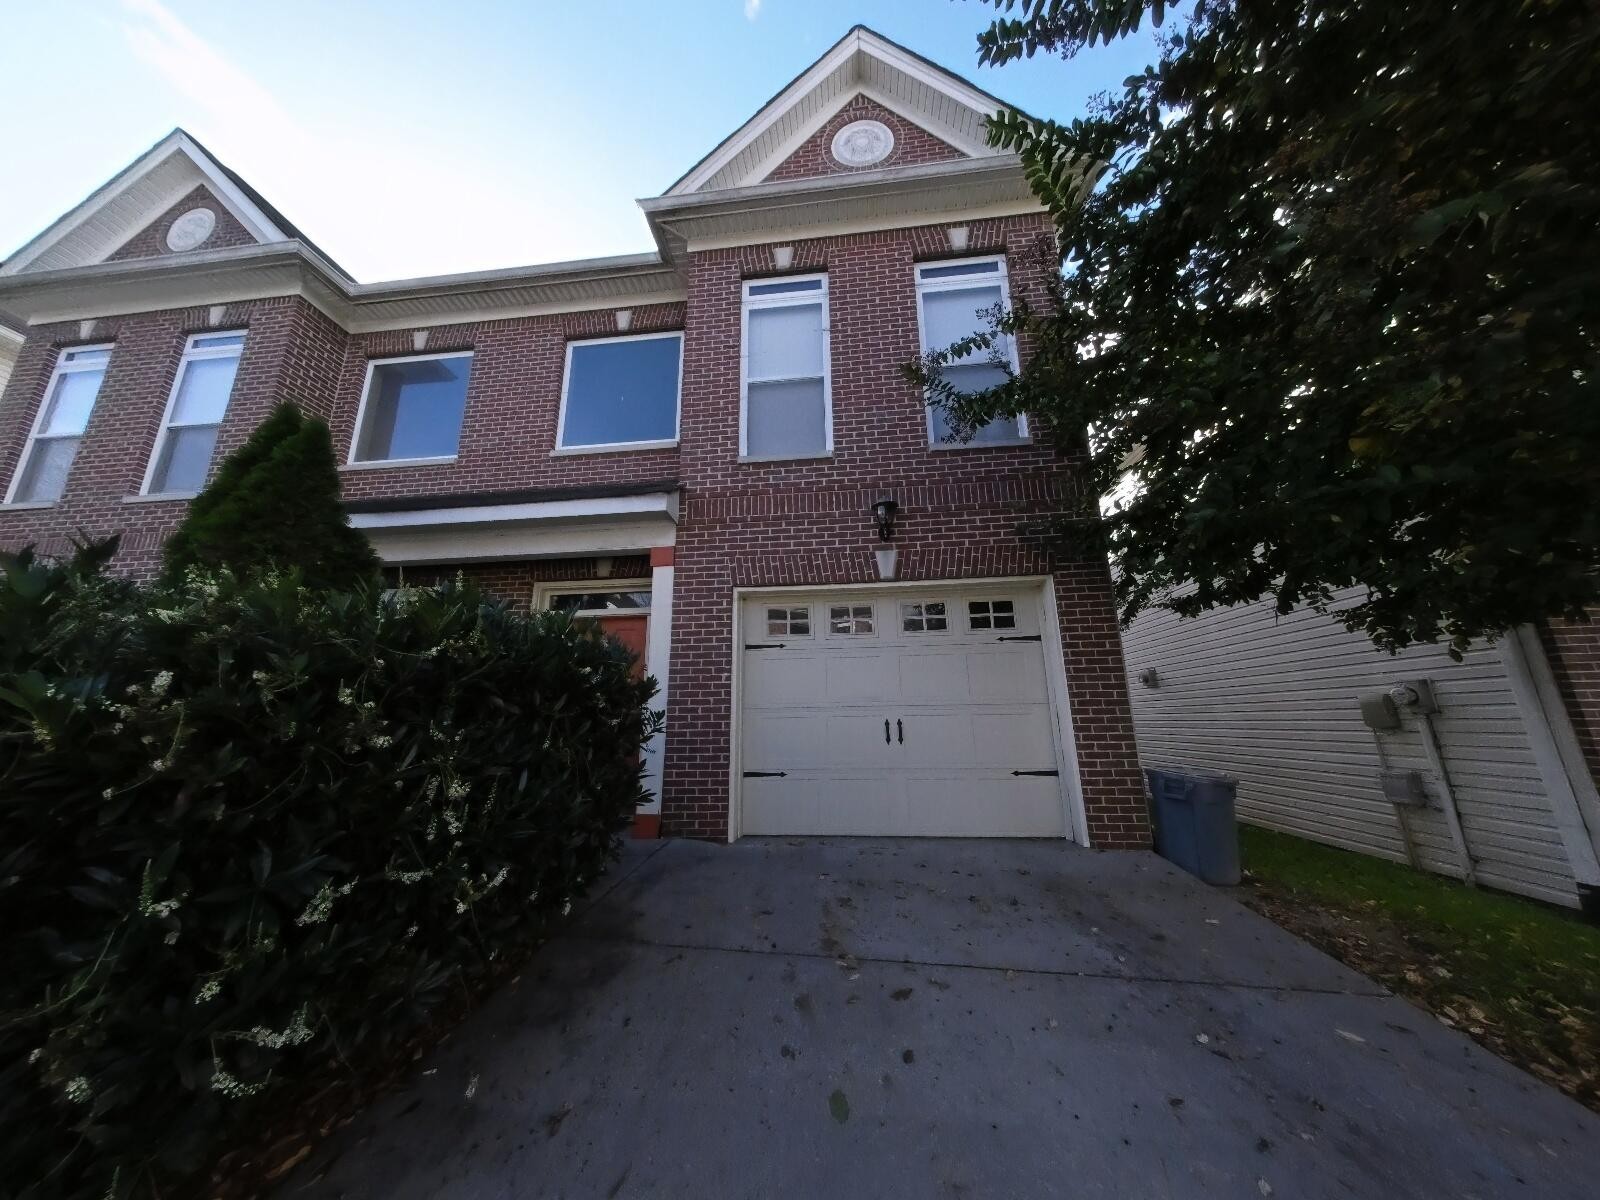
x,y
296,268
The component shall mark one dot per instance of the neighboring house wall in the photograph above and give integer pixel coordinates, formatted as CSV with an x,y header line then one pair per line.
x,y
1274,702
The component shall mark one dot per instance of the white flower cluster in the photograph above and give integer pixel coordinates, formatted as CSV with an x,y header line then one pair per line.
x,y
78,1090
224,1081
407,877
298,1031
149,906
322,903
209,990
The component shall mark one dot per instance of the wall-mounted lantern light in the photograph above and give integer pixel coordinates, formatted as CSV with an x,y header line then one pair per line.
x,y
884,511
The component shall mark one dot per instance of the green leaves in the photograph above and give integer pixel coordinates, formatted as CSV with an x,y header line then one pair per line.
x,y
1334,282
238,854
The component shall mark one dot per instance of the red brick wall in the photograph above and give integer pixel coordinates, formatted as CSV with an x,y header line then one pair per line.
x,y
808,522
912,145
290,352
1573,648
151,241
513,399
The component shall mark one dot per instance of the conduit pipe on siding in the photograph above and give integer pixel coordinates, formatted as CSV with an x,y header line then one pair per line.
x,y
1452,814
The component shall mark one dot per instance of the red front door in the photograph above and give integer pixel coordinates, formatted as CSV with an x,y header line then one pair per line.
x,y
632,631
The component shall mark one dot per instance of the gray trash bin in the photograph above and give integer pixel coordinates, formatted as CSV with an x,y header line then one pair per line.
x,y
1195,826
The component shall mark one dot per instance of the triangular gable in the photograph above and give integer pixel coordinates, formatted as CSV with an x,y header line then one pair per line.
x,y
127,210
861,65
909,144
197,222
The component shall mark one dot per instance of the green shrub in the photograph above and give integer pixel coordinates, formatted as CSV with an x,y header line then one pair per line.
x,y
274,505
247,828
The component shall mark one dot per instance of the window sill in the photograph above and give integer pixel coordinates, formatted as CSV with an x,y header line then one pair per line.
x,y
26,505
157,497
383,464
757,459
619,448
1007,444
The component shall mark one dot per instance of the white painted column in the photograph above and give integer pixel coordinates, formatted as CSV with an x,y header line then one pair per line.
x,y
658,665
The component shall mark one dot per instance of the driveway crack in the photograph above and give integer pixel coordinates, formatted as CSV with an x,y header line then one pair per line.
x,y
1374,993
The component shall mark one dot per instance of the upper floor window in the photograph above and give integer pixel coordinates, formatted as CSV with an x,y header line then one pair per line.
x,y
621,393
58,430
954,301
786,409
194,414
411,409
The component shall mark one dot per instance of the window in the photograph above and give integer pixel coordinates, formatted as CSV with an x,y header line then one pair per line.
x,y
787,409
991,614
195,410
58,430
953,302
412,409
621,392
633,600
788,622
925,616
850,618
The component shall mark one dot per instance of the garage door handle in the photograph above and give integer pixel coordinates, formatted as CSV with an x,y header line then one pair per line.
x,y
765,774
900,730
886,731
1025,637
764,645
1036,772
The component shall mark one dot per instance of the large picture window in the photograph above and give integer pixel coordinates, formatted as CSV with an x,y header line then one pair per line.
x,y
621,393
199,401
786,409
411,409
58,431
954,300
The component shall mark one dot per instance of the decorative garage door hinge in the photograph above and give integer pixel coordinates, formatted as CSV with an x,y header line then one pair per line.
x,y
764,645
767,774
1022,637
1036,772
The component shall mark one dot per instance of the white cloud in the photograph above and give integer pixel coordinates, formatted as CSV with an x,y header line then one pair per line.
x,y
752,9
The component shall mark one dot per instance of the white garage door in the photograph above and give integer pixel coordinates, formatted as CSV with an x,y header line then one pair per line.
x,y
900,712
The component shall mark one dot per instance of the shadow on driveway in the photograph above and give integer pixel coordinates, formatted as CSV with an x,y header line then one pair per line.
x,y
874,1017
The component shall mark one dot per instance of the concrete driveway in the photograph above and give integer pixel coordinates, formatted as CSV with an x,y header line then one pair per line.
x,y
876,1018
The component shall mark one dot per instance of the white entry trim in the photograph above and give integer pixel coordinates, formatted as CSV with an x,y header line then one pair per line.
x,y
1043,587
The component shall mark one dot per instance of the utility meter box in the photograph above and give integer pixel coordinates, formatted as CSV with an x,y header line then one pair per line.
x,y
1379,712
1404,788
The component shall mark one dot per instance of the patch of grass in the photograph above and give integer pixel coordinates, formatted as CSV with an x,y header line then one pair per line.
x,y
1519,976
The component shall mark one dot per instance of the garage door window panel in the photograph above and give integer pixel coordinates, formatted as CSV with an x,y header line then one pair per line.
x,y
788,622
924,616
991,614
851,620
786,408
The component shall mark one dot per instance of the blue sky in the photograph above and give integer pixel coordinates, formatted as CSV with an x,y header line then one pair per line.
x,y
409,137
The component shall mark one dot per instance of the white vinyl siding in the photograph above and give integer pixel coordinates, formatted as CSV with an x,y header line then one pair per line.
x,y
195,410
786,407
1274,702
52,447
954,300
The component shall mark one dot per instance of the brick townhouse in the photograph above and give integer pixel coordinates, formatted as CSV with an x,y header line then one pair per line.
x,y
709,448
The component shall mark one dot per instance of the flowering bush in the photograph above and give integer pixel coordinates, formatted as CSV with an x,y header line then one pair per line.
x,y
246,828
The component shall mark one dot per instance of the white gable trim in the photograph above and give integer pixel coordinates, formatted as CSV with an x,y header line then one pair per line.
x,y
857,41
238,204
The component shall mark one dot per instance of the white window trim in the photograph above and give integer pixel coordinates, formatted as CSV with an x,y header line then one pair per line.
x,y
191,353
784,300
615,447
361,414
543,593
62,367
959,283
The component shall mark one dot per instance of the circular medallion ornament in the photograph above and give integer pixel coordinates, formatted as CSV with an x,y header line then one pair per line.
x,y
191,229
862,143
